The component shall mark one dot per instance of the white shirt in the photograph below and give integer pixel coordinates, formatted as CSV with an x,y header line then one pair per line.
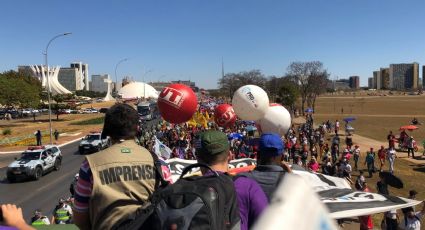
x,y
357,151
412,223
391,154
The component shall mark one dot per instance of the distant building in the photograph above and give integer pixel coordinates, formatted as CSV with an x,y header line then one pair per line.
x,y
354,82
74,77
342,84
385,78
189,83
98,83
159,85
370,83
423,76
40,72
376,79
404,76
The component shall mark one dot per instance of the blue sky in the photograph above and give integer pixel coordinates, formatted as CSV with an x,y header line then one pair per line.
x,y
187,39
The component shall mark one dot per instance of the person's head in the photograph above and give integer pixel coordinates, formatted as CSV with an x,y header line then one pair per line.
x,y
412,194
382,147
212,149
391,132
409,212
271,149
121,122
360,172
37,213
61,202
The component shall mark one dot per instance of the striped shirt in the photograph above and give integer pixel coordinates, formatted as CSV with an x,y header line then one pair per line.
x,y
84,188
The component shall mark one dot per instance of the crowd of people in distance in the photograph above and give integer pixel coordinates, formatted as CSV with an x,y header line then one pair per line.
x,y
113,184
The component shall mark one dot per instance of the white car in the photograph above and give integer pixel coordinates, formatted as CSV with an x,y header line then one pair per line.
x,y
35,162
93,143
90,110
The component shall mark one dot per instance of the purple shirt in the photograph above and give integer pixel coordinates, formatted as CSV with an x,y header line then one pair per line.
x,y
251,200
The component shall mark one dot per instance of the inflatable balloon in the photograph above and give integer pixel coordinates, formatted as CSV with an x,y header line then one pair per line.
x,y
224,115
177,103
250,102
276,120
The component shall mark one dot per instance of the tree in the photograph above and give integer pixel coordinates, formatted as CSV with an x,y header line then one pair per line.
x,y
230,82
288,95
311,79
18,89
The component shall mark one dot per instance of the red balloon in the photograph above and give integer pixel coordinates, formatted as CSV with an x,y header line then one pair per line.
x,y
177,103
225,116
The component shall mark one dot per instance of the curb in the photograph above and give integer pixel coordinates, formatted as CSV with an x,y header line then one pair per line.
x,y
61,145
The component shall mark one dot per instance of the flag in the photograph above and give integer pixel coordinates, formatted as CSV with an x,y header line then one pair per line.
x,y
162,150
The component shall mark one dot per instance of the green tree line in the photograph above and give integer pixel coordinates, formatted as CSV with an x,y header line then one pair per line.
x,y
302,80
19,90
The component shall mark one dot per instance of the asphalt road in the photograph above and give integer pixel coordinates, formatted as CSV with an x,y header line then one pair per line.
x,y
44,193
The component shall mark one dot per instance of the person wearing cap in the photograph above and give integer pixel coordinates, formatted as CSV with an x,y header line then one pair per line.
x,y
270,169
213,150
116,181
39,219
62,213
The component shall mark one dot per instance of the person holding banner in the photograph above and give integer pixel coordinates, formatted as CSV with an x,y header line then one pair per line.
x,y
412,219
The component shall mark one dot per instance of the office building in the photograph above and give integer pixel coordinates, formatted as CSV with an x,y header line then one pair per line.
x,y
423,76
98,83
377,79
385,78
342,84
354,82
370,83
189,83
404,76
74,77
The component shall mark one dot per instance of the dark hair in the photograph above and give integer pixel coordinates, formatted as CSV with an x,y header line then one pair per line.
x,y
212,159
121,121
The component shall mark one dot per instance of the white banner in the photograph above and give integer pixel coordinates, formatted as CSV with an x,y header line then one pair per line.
x,y
338,196
291,205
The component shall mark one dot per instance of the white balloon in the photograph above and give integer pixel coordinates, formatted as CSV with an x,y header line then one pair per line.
x,y
250,102
276,120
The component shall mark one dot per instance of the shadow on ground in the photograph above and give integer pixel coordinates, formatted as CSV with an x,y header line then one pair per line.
x,y
419,168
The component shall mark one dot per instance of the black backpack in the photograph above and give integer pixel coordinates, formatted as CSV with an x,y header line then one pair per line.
x,y
197,202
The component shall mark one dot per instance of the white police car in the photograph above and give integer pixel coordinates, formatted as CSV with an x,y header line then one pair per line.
x,y
35,162
93,143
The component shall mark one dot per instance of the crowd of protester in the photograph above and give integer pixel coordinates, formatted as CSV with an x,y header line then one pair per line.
x,y
317,149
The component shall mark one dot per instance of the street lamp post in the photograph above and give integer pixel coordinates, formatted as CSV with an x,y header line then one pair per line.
x,y
48,81
116,78
144,83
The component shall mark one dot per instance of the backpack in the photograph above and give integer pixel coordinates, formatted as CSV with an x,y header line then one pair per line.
x,y
197,202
